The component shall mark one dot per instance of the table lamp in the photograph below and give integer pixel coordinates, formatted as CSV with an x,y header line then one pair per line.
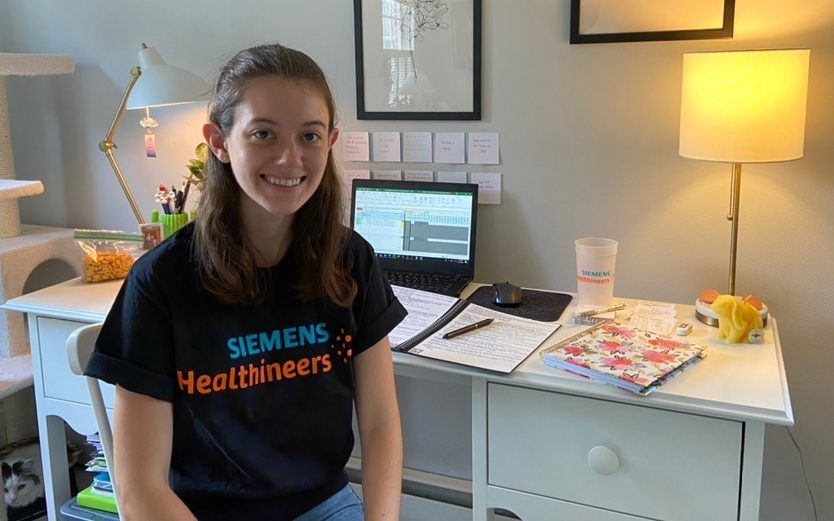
x,y
153,83
17,64
742,107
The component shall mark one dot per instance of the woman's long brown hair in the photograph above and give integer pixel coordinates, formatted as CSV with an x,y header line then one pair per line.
x,y
226,259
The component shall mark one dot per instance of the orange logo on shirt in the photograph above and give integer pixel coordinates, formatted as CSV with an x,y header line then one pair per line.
x,y
343,346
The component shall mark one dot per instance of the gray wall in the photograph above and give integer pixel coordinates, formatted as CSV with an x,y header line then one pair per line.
x,y
589,147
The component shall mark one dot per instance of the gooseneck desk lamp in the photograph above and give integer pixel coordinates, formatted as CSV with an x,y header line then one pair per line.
x,y
153,83
742,107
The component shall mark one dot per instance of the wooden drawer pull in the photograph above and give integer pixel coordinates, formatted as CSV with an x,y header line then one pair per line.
x,y
603,460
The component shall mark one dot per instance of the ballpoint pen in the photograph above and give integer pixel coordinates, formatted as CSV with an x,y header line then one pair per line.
x,y
467,329
598,311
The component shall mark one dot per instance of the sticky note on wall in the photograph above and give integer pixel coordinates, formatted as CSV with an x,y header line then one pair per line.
x,y
390,175
355,146
386,147
348,176
426,176
451,177
449,147
483,148
417,147
489,186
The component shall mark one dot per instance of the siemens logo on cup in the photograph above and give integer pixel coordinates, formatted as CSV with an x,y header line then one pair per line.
x,y
595,265
595,277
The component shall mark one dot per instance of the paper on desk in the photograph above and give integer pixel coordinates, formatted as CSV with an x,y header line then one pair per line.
x,y
500,346
423,307
655,317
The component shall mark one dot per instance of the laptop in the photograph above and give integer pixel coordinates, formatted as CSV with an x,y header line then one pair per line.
x,y
423,233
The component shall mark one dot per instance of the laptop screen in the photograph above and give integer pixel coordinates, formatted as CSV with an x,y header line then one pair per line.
x,y
417,226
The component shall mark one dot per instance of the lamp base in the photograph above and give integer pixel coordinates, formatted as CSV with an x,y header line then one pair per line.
x,y
705,314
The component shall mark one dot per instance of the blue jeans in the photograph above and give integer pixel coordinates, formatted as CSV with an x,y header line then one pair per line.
x,y
344,505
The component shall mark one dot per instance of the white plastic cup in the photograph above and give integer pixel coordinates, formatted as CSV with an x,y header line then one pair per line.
x,y
595,262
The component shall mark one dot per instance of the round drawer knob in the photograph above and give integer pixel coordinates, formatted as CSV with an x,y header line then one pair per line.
x,y
603,460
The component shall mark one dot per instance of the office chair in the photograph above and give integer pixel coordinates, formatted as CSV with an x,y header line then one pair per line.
x,y
80,345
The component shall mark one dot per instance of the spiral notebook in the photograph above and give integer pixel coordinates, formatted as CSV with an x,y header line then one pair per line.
x,y
633,359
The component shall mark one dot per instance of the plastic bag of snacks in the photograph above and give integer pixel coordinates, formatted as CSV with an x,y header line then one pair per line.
x,y
108,255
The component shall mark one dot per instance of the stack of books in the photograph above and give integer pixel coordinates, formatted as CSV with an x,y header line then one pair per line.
x,y
629,358
99,495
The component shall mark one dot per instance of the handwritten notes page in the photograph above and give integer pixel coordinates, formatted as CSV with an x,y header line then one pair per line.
x,y
424,309
500,346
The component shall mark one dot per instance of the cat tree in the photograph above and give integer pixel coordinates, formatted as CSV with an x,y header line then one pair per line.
x,y
20,255
22,250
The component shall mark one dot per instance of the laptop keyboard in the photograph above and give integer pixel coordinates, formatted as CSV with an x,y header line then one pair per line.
x,y
443,283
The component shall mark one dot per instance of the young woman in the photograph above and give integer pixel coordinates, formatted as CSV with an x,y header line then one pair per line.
x,y
240,345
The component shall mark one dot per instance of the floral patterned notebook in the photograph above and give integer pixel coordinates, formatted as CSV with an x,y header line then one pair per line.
x,y
633,359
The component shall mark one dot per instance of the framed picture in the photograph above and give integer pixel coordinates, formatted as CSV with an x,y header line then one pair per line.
x,y
604,21
418,59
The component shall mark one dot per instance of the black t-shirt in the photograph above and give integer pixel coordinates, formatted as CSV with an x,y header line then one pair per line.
x,y
262,394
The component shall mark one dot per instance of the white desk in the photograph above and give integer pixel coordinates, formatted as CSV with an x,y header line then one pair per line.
x,y
690,451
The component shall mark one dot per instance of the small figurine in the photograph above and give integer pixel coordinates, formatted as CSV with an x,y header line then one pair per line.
x,y
164,197
736,318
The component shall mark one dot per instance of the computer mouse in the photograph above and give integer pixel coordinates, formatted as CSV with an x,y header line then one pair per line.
x,y
507,294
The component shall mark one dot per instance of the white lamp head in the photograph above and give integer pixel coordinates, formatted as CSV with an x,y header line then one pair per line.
x,y
744,106
162,84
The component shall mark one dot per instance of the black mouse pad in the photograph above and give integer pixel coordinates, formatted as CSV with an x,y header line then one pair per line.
x,y
545,306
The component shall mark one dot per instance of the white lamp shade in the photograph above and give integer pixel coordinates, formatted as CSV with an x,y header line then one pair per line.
x,y
745,106
163,84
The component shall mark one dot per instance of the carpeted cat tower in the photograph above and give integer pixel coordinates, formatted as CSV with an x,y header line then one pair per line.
x,y
23,249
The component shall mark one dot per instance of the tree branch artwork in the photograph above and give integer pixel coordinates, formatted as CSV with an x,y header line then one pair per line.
x,y
419,17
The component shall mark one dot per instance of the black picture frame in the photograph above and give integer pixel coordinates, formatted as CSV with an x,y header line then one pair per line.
x,y
389,86
700,33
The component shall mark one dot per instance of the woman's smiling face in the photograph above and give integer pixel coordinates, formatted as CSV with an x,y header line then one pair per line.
x,y
279,143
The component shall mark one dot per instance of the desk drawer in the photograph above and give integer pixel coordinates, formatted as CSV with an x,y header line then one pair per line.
x,y
671,466
58,381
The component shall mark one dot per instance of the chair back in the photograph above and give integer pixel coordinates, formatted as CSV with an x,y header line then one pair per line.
x,y
80,346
